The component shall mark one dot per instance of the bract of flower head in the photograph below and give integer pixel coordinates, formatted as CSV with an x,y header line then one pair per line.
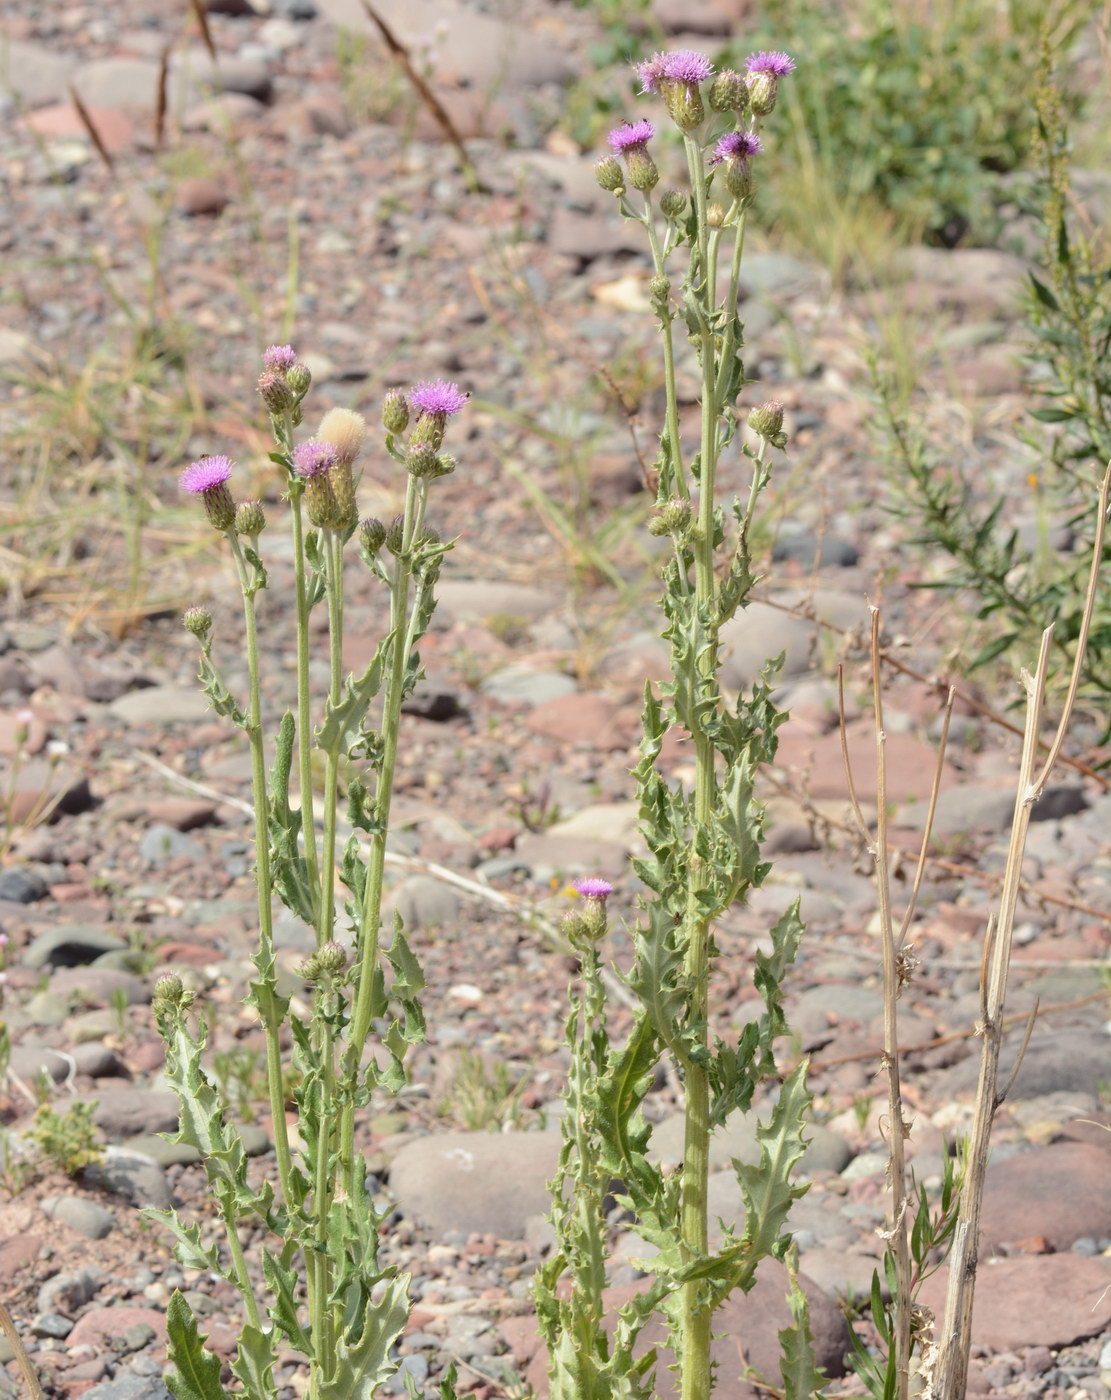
x,y
437,396
314,458
594,888
737,145
206,474
279,358
629,134
773,61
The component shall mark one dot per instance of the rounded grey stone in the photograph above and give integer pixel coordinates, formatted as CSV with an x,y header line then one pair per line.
x,y
51,1325
66,1292
137,1178
20,886
86,1217
424,902
69,945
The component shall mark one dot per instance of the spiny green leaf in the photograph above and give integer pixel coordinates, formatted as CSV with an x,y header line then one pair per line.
x,y
188,1249
767,1188
196,1373
341,731
254,1363
363,1362
803,1378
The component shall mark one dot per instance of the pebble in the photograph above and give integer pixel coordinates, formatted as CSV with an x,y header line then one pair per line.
x,y
69,945
84,1216
137,1178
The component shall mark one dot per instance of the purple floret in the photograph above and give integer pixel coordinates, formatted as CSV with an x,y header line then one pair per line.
x,y
773,61
738,145
630,134
594,888
437,396
650,71
314,458
206,474
279,357
686,66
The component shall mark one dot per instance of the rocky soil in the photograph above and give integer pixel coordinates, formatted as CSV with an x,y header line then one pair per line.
x,y
128,848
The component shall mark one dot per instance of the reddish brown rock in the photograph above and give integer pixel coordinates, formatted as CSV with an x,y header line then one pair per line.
x,y
100,1326
579,719
182,813
113,129
1047,1300
201,194
1061,1192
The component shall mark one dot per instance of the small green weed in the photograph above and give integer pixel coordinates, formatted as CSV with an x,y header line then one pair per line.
x,y
67,1140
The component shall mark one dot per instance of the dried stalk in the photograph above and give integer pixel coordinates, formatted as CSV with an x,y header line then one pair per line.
x,y
7,1326
950,1372
895,976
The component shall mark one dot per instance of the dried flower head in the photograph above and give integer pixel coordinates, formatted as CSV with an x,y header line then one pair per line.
x,y
345,430
208,478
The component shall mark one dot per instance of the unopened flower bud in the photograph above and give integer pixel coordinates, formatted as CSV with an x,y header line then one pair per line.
x,y
395,412
729,92
372,535
609,174
276,393
445,464
428,535
170,995
250,518
659,289
333,959
715,215
673,204
198,621
420,459
299,378
766,421
395,534
674,518
643,172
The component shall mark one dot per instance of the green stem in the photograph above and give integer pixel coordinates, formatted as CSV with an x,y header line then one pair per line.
x,y
304,700
333,561
371,911
265,958
695,1369
675,451
322,1319
238,1259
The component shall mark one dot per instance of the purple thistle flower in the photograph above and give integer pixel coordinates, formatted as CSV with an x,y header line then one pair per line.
x,y
773,61
737,145
685,66
279,358
594,888
437,396
206,475
650,72
629,134
314,458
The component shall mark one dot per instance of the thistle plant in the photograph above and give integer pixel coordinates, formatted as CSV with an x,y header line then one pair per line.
x,y
704,841
322,1290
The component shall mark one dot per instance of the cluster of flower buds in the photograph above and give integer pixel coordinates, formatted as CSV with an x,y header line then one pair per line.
x,y
171,996
672,518
433,401
283,383
328,963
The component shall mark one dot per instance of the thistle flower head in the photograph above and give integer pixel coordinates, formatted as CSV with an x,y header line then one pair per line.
x,y
630,140
279,358
773,61
208,478
437,396
206,474
629,134
681,66
314,458
198,621
592,887
737,145
345,430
